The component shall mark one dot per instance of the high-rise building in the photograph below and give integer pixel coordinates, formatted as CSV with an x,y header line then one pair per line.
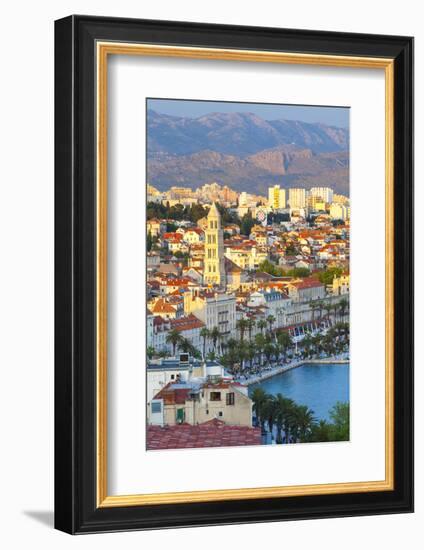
x,y
339,212
340,199
326,193
276,197
214,264
316,203
297,197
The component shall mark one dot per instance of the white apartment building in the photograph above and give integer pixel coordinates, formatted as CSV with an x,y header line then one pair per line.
x,y
325,193
297,197
339,212
276,197
214,309
246,258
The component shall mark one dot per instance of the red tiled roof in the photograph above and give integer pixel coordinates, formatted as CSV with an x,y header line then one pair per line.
x,y
213,433
187,323
195,230
162,307
173,236
308,283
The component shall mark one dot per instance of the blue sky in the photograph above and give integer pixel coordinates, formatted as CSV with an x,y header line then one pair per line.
x,y
333,116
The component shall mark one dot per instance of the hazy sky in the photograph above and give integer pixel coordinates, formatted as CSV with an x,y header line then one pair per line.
x,y
333,116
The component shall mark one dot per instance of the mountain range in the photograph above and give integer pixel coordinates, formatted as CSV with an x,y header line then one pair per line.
x,y
245,152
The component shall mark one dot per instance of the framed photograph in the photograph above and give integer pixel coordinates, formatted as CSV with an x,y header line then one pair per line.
x,y
233,274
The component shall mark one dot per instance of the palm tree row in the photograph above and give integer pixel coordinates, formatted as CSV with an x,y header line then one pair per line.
x,y
267,343
337,309
177,341
290,422
293,423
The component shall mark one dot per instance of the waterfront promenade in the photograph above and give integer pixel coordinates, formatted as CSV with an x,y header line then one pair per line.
x,y
341,359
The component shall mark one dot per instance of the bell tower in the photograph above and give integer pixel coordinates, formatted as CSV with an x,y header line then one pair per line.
x,y
214,264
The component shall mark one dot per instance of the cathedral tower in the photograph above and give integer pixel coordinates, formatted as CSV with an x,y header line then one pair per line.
x,y
214,265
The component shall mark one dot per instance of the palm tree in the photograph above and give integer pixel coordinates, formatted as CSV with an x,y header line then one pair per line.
x,y
259,398
250,326
270,320
270,411
229,360
320,307
242,325
314,306
260,343
284,342
307,344
175,339
215,336
283,408
268,351
261,324
335,308
211,356
328,308
343,305
250,353
320,432
187,347
204,333
150,352
305,421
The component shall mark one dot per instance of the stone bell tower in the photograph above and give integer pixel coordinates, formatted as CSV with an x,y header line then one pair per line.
x,y
214,264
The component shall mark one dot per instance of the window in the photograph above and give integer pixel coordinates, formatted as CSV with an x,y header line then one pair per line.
x,y
220,413
172,376
156,407
230,398
215,396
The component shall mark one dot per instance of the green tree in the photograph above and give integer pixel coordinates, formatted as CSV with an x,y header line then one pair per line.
x,y
327,276
305,421
270,412
268,350
204,334
343,305
299,272
242,325
270,320
250,326
339,415
284,342
284,411
319,433
175,339
260,343
259,398
268,267
246,224
215,335
261,324
250,353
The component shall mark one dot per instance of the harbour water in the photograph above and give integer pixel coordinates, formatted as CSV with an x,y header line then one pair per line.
x,y
317,386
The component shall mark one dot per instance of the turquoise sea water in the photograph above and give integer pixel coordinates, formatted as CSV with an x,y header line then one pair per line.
x,y
317,386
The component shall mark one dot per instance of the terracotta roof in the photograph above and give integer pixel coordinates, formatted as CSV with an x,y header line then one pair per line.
x,y
308,283
186,323
172,236
213,433
195,230
163,307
